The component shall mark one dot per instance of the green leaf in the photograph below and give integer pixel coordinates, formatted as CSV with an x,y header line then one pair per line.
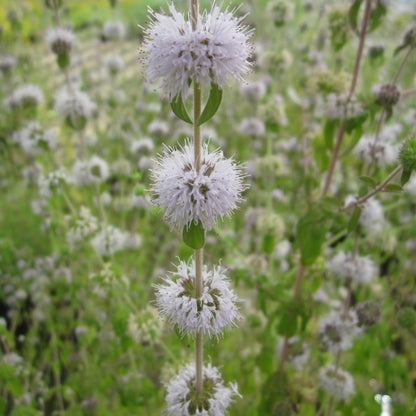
x,y
179,109
311,232
63,60
392,187
329,132
376,15
353,14
368,181
356,136
268,243
399,49
212,105
405,176
194,235
77,123
355,217
288,323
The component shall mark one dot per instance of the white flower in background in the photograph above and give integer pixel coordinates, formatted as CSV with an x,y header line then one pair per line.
x,y
108,241
74,104
114,63
85,226
338,330
7,63
336,382
211,313
145,327
34,140
182,400
372,215
94,170
385,151
337,107
252,126
145,145
12,359
158,128
217,50
254,90
60,39
27,95
360,269
114,30
145,163
132,241
189,196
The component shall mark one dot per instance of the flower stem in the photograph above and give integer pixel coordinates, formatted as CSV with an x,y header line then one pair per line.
x,y
199,346
342,129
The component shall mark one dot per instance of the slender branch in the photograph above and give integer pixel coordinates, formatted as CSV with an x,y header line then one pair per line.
x,y
408,92
374,191
341,132
403,63
285,349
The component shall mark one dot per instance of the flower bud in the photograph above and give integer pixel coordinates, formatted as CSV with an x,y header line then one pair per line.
x,y
388,95
407,155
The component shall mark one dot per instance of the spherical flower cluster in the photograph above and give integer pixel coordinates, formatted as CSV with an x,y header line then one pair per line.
x,y
145,145
83,227
114,30
338,107
384,152
217,49
7,63
34,140
74,104
211,313
338,330
387,95
298,351
114,63
189,196
182,398
145,327
360,269
93,170
336,382
253,90
60,39
27,95
252,126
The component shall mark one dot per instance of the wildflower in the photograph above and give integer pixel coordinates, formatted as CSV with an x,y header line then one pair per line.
x,y
145,327
27,95
298,351
252,126
114,63
85,226
158,128
387,95
210,313
360,269
189,196
143,145
338,330
75,105
7,63
108,241
94,170
336,382
368,313
114,30
60,39
34,140
385,152
338,107
253,90
217,49
183,400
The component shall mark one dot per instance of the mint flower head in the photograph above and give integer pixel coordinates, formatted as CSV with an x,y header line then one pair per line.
x,y
215,310
216,50
189,196
182,398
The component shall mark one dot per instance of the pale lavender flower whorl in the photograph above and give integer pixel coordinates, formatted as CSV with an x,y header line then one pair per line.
x,y
217,49
183,400
211,313
189,196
